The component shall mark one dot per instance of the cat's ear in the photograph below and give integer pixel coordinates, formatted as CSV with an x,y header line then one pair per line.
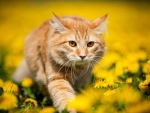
x,y
100,24
58,23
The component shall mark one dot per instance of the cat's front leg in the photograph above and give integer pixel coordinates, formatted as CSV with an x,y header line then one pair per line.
x,y
61,92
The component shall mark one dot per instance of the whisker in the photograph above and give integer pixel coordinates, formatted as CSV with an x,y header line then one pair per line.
x,y
74,69
85,73
92,65
67,68
72,75
61,67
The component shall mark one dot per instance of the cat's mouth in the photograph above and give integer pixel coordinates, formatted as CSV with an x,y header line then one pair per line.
x,y
82,62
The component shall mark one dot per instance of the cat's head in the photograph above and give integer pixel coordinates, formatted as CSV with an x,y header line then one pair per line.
x,y
77,41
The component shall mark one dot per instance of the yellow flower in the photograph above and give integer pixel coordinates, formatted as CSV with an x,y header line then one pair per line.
x,y
27,82
99,72
1,83
146,68
142,55
81,103
106,108
109,96
110,80
11,87
125,66
92,94
141,107
133,66
12,60
8,101
109,59
143,86
135,56
100,83
129,95
148,77
110,92
31,102
129,80
121,67
47,110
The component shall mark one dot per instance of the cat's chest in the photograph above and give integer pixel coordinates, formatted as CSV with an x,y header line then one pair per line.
x,y
80,76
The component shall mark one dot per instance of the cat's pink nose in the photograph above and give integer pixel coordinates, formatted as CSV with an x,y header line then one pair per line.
x,y
82,57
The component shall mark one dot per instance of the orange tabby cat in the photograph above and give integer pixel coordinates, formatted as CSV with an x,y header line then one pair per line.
x,y
61,54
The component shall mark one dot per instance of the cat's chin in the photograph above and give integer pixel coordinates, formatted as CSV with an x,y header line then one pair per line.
x,y
81,63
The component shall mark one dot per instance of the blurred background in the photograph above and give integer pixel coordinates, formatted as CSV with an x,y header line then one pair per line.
x,y
122,76
128,27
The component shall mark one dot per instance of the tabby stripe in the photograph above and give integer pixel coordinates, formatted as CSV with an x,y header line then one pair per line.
x,y
57,78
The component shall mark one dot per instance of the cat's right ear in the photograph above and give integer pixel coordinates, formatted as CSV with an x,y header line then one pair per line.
x,y
58,23
100,25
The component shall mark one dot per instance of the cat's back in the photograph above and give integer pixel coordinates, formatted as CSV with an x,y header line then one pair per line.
x,y
35,44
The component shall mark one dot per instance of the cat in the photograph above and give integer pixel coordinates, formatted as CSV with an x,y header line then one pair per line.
x,y
61,54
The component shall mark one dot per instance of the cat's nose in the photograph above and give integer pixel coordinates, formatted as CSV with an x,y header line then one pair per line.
x,y
82,57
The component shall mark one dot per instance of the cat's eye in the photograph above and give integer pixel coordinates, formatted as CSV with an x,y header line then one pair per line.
x,y
90,44
72,43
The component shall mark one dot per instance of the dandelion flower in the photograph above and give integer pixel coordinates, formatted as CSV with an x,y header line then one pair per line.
x,y
47,110
146,68
120,67
125,66
107,96
129,80
110,58
110,80
141,107
99,72
129,95
81,103
11,87
31,102
8,101
100,83
110,92
143,86
133,66
27,82
142,54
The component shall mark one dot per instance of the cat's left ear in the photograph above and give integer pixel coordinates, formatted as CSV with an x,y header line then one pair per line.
x,y
58,23
100,24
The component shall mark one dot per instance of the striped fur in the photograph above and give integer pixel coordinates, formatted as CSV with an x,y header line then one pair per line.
x,y
54,63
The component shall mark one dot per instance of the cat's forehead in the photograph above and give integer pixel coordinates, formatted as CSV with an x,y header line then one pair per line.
x,y
82,36
78,23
